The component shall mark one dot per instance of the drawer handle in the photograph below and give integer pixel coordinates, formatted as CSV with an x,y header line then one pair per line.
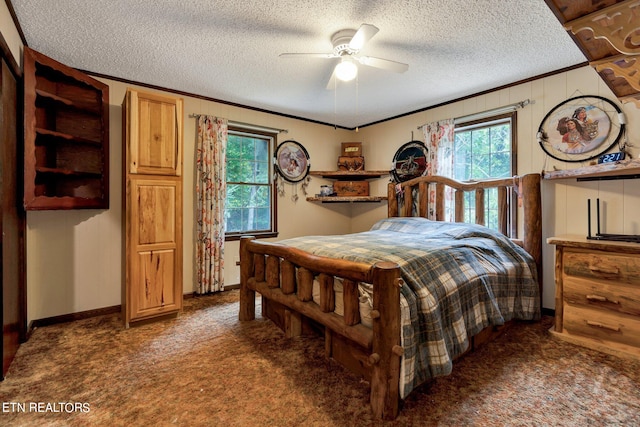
x,y
603,326
600,298
598,270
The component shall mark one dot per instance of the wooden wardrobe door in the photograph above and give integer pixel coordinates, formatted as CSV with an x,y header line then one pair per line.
x,y
155,261
156,133
12,224
152,206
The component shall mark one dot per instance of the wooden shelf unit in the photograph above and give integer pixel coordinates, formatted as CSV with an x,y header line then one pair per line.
x,y
66,137
348,176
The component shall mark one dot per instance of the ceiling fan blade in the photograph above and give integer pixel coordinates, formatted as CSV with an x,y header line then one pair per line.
x,y
384,64
308,55
362,36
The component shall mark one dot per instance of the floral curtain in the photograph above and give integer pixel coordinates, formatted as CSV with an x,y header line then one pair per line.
x,y
439,137
211,191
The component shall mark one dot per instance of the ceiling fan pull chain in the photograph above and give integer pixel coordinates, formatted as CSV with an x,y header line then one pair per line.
x,y
335,101
357,102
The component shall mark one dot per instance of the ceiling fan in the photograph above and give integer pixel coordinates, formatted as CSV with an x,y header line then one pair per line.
x,y
346,45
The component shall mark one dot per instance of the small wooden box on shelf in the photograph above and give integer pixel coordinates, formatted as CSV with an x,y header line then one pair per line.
x,y
351,188
66,136
598,294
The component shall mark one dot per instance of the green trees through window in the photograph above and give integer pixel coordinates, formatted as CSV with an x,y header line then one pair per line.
x,y
481,150
249,202
484,150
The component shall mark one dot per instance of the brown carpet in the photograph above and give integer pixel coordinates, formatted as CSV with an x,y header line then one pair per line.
x,y
205,368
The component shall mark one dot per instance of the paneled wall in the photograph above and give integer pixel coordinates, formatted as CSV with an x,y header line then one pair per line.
x,y
74,258
564,201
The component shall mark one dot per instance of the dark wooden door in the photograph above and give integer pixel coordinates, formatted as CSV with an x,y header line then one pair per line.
x,y
12,222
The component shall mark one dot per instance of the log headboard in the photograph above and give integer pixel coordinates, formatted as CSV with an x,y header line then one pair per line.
x,y
411,198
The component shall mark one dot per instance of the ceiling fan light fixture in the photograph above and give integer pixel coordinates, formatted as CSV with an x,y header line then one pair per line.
x,y
346,70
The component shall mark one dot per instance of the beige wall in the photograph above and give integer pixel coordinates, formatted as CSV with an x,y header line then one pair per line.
x,y
74,258
10,33
564,201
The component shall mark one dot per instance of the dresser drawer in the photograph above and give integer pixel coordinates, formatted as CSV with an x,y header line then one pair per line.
x,y
602,294
601,325
616,267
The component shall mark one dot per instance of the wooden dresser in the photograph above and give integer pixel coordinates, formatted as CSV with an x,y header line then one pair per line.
x,y
598,294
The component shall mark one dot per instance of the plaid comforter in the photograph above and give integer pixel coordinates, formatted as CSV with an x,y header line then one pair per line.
x,y
460,278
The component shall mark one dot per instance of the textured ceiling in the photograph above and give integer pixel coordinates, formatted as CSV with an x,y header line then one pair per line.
x,y
228,50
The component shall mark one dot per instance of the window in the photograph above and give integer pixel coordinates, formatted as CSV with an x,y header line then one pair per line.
x,y
250,203
482,150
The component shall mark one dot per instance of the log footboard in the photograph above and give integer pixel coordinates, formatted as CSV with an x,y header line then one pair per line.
x,y
285,276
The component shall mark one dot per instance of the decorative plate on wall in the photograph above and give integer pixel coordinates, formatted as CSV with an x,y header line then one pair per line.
x,y
292,161
410,161
581,128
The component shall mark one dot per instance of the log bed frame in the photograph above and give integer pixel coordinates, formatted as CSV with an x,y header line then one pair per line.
x,y
284,277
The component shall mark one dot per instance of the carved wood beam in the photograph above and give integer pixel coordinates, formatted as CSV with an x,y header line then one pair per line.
x,y
627,67
619,24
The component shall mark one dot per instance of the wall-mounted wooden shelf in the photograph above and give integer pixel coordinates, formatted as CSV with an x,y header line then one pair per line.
x,y
349,175
613,170
66,137
342,199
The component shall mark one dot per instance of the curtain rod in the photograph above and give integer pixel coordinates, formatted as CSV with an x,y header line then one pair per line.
x,y
247,126
487,113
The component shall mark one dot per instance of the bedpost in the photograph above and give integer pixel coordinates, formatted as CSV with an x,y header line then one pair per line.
x,y
385,376
392,200
532,206
247,295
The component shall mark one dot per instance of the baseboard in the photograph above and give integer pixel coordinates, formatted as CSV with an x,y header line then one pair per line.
x,y
63,318
117,308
